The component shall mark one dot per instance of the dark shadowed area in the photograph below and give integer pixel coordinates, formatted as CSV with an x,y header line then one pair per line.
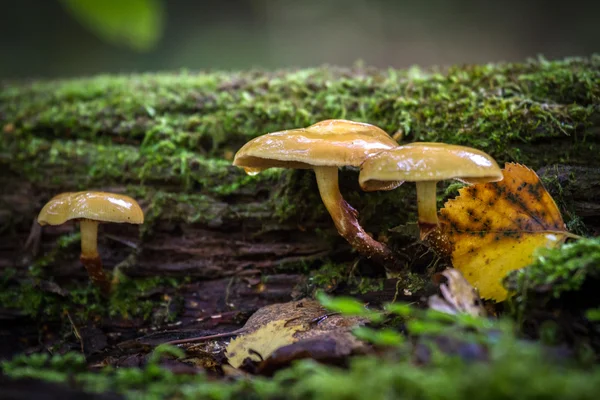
x,y
40,38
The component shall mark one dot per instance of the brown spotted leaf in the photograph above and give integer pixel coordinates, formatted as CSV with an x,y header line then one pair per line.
x,y
494,228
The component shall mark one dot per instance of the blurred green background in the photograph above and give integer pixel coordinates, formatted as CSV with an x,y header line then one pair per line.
x,y
59,38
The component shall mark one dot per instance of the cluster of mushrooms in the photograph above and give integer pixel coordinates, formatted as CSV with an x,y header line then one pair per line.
x,y
384,165
322,147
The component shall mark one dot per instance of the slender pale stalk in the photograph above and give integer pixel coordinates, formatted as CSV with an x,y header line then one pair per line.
x,y
427,207
89,254
346,222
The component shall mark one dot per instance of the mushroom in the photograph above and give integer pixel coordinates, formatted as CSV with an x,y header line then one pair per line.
x,y
91,208
324,147
426,164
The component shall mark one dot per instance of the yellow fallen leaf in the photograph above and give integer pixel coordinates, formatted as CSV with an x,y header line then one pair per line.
x,y
263,341
494,228
279,325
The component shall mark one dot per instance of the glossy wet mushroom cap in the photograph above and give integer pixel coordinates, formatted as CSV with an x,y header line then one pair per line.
x,y
327,143
420,162
426,164
324,147
90,209
97,206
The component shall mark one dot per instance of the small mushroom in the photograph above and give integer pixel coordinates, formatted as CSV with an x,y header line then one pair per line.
x,y
324,147
91,208
426,164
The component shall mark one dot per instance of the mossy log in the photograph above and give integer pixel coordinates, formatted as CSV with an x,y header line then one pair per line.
x,y
168,140
235,242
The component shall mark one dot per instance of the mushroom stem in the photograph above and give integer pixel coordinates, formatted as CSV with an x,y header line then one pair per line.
x,y
427,207
346,222
89,254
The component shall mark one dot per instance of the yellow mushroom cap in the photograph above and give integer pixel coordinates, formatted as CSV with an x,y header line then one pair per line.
x,y
97,206
333,142
420,161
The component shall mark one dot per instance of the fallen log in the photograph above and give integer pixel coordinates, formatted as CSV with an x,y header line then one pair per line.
x,y
168,140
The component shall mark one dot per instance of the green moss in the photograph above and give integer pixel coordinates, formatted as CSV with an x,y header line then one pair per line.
x,y
330,275
63,244
89,164
172,135
195,184
552,295
445,379
189,208
333,275
492,107
128,300
506,368
28,298
241,185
